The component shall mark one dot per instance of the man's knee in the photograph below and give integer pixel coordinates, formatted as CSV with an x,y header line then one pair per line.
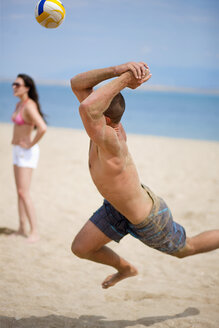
x,y
180,255
78,249
187,250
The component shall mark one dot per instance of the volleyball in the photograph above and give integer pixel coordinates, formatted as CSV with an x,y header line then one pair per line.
x,y
50,13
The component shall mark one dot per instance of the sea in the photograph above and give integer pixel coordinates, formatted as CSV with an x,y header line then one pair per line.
x,y
156,113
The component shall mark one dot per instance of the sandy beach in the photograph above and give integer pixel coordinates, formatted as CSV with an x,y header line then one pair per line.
x,y
44,285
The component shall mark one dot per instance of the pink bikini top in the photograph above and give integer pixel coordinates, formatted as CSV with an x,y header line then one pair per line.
x,y
18,119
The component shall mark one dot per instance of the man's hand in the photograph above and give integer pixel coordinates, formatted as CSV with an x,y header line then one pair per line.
x,y
133,82
138,69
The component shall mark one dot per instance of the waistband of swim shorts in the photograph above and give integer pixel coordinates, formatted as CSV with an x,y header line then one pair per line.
x,y
155,207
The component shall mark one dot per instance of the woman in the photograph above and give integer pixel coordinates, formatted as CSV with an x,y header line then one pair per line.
x,y
26,117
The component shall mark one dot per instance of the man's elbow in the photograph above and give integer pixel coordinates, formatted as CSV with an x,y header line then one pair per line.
x,y
73,83
75,80
86,109
79,87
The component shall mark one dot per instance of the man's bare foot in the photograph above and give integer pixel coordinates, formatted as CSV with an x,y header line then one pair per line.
x,y
114,278
33,238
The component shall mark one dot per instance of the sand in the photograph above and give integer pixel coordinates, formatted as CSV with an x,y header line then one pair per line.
x,y
44,285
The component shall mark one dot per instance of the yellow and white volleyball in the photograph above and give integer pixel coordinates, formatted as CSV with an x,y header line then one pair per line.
x,y
50,13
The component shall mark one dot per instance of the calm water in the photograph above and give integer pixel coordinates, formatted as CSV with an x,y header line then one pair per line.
x,y
194,116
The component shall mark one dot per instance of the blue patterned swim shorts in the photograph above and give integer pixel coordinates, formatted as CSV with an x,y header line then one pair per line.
x,y
158,230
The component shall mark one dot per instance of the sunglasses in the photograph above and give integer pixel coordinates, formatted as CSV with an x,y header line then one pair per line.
x,y
17,85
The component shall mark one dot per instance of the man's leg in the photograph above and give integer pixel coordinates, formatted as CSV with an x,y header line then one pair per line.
x,y
204,242
90,244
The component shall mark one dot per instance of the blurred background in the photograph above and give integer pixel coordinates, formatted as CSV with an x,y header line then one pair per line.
x,y
177,39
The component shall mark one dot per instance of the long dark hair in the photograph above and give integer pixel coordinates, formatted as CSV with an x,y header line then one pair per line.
x,y
32,92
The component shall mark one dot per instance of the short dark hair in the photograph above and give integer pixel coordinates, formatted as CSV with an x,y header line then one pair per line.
x,y
116,108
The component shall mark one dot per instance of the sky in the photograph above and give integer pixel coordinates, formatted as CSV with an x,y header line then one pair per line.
x,y
179,40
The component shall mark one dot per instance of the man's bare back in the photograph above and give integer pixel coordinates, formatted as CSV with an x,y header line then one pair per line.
x,y
117,180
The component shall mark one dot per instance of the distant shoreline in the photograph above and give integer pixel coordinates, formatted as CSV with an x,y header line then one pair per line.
x,y
153,88
9,125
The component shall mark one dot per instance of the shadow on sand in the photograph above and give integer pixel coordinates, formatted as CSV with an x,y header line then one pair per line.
x,y
88,321
6,231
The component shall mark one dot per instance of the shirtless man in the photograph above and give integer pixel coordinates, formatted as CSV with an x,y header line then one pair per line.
x,y
129,206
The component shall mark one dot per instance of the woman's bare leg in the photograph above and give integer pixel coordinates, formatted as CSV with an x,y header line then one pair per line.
x,y
26,209
21,208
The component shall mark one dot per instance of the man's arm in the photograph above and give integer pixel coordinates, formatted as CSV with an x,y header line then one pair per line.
x,y
83,83
92,108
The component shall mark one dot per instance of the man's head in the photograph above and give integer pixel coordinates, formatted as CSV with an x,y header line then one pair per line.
x,y
116,108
